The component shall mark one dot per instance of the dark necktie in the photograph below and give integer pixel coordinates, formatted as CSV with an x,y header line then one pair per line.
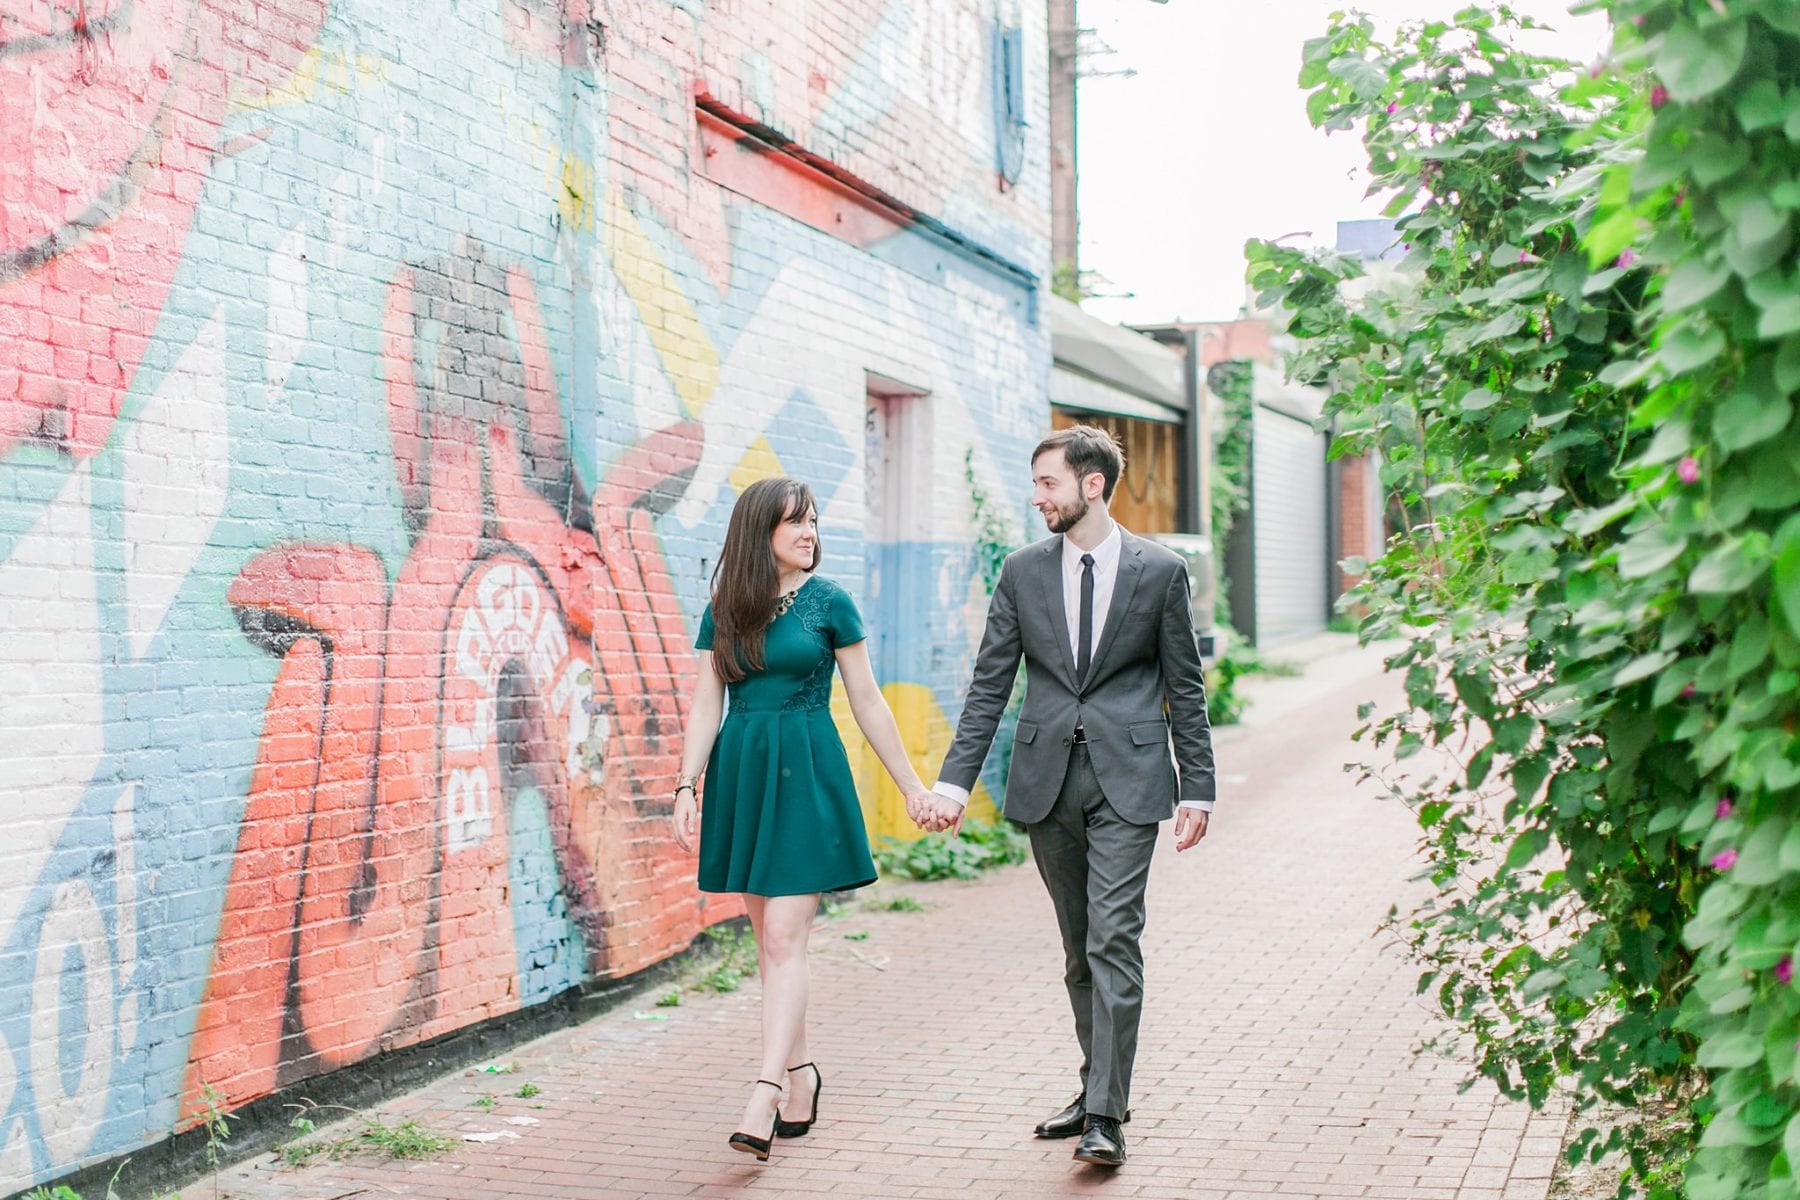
x,y
1084,646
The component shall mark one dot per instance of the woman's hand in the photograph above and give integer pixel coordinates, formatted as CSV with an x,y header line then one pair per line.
x,y
687,820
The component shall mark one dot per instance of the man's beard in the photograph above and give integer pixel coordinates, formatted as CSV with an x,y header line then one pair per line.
x,y
1065,519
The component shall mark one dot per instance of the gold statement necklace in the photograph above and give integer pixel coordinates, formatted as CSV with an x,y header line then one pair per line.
x,y
786,601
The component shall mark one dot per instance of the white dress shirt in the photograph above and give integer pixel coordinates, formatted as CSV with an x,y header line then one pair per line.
x,y
1106,574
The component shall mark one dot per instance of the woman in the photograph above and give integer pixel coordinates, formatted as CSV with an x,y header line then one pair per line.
x,y
781,822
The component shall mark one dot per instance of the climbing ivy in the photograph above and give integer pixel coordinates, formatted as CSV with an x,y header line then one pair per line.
x,y
1581,381
1230,382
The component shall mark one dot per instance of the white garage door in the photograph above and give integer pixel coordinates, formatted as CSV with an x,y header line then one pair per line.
x,y
1291,549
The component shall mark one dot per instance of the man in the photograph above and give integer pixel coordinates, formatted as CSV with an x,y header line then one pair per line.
x,y
1103,622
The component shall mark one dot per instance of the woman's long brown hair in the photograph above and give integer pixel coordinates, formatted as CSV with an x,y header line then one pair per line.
x,y
746,580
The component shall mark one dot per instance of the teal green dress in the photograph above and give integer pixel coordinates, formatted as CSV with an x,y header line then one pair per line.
x,y
781,817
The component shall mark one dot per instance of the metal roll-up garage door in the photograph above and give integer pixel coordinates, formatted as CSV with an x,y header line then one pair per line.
x,y
1291,518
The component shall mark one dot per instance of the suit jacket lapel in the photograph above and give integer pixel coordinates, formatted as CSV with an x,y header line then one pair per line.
x,y
1131,569
1053,600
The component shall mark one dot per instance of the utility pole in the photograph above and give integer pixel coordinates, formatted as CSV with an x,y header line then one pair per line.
x,y
1065,223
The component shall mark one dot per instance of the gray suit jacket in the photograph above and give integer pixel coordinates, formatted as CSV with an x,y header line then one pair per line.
x,y
1146,665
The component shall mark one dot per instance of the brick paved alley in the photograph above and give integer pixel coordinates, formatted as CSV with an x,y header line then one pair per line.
x,y
1276,1059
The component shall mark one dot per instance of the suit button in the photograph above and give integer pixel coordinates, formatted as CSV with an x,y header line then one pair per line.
x,y
1068,741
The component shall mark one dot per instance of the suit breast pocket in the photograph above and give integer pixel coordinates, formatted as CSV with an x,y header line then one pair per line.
x,y
1026,732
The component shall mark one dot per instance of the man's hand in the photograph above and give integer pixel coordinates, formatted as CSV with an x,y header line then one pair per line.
x,y
933,813
1190,827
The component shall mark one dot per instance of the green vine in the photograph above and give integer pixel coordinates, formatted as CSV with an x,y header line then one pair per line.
x,y
1230,382
994,539
1582,386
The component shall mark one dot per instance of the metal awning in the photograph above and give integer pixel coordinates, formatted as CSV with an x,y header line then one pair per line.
x,y
1069,389
1109,369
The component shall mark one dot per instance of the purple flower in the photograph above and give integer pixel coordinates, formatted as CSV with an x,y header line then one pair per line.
x,y
1687,691
1688,469
1659,96
1724,860
1626,257
1392,107
1724,808
1784,970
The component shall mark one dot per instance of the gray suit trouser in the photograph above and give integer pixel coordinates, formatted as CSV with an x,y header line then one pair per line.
x,y
1095,864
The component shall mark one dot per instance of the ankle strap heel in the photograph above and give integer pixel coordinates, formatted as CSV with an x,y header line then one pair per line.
x,y
793,1129
749,1143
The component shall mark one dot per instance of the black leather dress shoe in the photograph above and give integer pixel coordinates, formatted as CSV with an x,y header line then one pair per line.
x,y
1070,1122
1102,1144
1067,1123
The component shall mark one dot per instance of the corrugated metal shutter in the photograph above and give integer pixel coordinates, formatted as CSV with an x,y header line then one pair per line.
x,y
1291,547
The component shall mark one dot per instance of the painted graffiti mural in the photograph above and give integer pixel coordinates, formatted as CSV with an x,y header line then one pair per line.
x,y
375,382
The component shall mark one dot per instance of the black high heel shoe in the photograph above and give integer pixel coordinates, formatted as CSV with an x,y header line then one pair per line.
x,y
751,1144
794,1129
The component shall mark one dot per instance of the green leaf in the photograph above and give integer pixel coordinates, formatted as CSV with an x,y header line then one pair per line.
x,y
1790,1140
1693,281
1760,106
1695,63
1527,846
1786,566
1780,316
1787,366
1759,858
1610,236
1712,158
1746,418
1650,551
1731,567
1643,667
1478,767
1528,776
1520,285
1758,237
1689,347
1366,79
1479,399
1774,477
1730,1050
1749,647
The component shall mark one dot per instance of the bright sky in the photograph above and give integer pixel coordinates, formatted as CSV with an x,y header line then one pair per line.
x,y
1208,145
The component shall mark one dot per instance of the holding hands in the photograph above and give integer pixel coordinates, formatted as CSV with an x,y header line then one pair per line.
x,y
934,813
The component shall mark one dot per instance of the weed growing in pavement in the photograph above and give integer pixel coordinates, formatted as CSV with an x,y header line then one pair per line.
x,y
527,1091
737,959
63,1191
409,1139
979,847
669,999
905,904
485,1101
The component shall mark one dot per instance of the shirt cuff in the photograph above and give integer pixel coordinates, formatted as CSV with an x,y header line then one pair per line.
x,y
1204,806
950,791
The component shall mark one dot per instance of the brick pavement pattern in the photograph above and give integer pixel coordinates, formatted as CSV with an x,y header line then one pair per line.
x,y
1276,1056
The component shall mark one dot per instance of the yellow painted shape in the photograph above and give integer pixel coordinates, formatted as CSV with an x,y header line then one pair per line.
x,y
569,179
759,462
318,71
687,354
925,732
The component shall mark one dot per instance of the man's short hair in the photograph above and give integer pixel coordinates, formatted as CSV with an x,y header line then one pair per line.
x,y
1088,451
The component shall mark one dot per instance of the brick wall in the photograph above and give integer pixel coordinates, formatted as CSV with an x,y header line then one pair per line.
x,y
375,382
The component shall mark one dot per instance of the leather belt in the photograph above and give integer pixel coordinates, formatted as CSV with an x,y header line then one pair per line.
x,y
1079,737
